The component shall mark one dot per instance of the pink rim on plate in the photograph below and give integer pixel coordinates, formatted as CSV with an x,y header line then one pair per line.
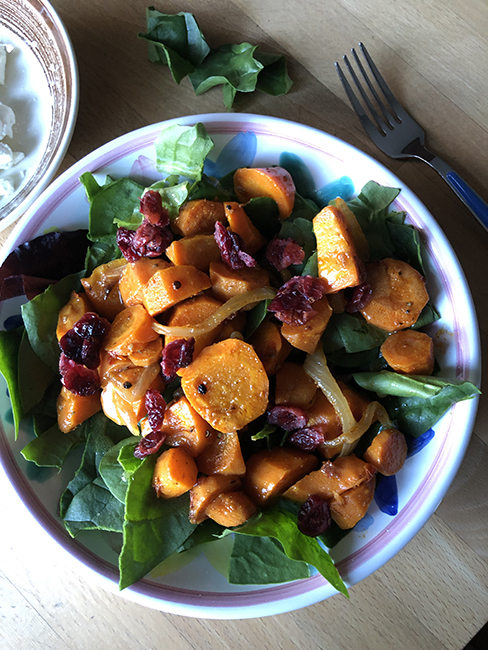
x,y
357,559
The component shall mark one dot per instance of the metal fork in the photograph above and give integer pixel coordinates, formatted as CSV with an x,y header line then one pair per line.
x,y
395,132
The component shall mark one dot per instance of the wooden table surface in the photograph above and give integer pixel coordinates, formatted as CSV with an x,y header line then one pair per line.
x,y
434,593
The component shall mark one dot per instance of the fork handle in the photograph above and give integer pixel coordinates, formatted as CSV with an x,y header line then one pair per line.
x,y
464,191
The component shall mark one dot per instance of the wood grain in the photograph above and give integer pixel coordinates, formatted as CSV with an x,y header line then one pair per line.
x,y
433,593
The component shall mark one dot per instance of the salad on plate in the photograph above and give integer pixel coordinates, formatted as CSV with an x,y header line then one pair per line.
x,y
238,363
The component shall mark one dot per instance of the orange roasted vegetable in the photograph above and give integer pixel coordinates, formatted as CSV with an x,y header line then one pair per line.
x,y
185,428
273,182
222,456
227,282
387,452
359,238
205,490
135,276
74,409
131,330
398,295
198,217
102,288
294,387
339,264
270,472
170,286
241,224
192,312
350,507
409,352
231,509
270,345
149,354
197,251
306,337
227,385
174,474
76,307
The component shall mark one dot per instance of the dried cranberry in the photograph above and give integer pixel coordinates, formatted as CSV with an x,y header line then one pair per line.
x,y
314,516
150,444
281,253
288,418
361,295
151,206
124,242
307,439
149,240
232,248
82,343
177,354
293,302
155,405
77,378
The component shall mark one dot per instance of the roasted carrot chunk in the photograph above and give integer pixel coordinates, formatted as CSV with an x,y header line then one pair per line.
x,y
198,217
409,352
306,337
222,456
74,309
198,251
270,472
227,385
387,452
294,387
172,285
273,182
205,490
131,330
398,295
102,288
174,474
74,409
349,507
339,264
184,427
231,509
270,346
227,282
241,224
135,276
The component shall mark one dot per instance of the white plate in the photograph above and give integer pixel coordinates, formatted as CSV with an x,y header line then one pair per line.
x,y
198,589
41,87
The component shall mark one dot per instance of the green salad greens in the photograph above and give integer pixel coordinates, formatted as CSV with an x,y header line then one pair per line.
x,y
111,489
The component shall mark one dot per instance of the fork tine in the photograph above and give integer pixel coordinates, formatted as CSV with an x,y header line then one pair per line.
x,y
378,100
356,104
364,96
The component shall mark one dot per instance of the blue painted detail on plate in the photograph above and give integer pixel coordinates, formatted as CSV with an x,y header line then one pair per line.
x,y
302,177
386,495
240,151
366,522
9,416
12,322
343,187
414,445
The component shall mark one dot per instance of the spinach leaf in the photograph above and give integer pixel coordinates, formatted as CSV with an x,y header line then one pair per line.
x,y
172,196
10,342
34,376
261,561
94,508
355,334
112,471
281,525
301,231
255,317
264,214
153,528
181,150
273,78
51,447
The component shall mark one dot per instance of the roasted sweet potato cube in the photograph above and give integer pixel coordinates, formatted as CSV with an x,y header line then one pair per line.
x,y
274,182
135,276
76,307
398,295
270,345
294,387
331,479
131,330
198,251
222,456
409,352
306,337
339,264
185,428
74,409
227,282
387,452
102,288
350,506
198,217
270,472
231,509
232,325
149,354
360,241
241,224
170,286
191,312
174,474
205,490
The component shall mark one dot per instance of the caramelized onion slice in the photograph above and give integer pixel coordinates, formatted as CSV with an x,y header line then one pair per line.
x,y
232,306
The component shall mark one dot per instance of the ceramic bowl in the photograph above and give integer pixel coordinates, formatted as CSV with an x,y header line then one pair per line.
x,y
199,589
